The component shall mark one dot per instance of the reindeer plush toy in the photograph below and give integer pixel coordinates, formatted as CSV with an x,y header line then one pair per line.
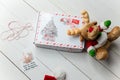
x,y
97,40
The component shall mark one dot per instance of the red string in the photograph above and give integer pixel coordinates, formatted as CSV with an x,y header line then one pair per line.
x,y
16,31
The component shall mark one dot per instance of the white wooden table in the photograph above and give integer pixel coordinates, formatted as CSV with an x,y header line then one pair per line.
x,y
78,66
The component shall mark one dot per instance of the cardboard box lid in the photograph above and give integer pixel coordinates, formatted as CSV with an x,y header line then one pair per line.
x,y
52,30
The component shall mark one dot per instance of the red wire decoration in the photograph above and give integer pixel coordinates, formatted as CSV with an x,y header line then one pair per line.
x,y
16,31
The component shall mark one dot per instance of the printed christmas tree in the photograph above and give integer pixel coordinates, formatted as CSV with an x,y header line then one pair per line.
x,y
49,32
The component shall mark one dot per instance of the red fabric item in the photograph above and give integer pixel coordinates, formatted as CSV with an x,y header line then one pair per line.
x,y
75,21
100,29
91,43
90,29
48,77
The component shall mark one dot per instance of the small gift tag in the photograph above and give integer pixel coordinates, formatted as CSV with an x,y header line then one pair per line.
x,y
28,61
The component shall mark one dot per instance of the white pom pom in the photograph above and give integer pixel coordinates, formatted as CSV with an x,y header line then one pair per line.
x,y
102,26
60,74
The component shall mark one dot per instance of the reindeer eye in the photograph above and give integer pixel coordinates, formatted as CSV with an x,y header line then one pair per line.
x,y
95,23
87,31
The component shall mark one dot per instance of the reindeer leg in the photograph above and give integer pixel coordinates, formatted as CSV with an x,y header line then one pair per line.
x,y
114,33
101,53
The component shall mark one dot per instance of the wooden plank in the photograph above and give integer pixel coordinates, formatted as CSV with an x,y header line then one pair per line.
x,y
114,5
54,60
15,54
116,46
94,7
8,71
112,64
14,49
42,5
19,9
90,66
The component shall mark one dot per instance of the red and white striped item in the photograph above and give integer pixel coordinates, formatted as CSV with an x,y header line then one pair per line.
x,y
51,32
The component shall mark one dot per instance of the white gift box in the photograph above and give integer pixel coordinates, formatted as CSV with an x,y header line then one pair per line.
x,y
51,32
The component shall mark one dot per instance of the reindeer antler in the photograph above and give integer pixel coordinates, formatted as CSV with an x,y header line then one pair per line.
x,y
76,31
85,16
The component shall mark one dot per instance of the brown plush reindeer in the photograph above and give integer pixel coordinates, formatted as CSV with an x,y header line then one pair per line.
x,y
97,41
